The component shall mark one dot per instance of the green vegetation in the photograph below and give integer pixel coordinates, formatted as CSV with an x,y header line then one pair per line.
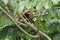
x,y
29,19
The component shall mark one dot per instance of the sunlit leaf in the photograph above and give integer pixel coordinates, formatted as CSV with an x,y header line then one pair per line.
x,y
28,4
21,6
13,3
38,7
47,4
5,1
55,1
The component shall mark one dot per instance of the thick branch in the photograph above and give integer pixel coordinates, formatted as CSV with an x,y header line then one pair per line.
x,y
16,23
20,23
30,25
34,28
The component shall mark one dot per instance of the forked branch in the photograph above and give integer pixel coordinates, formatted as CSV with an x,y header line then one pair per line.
x,y
8,14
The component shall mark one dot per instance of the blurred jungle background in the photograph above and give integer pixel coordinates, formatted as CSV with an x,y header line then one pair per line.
x,y
29,19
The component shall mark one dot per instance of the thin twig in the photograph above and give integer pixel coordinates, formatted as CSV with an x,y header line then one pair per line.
x,y
20,23
38,21
26,12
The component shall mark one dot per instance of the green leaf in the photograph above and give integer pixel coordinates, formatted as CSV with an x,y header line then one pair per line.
x,y
47,4
3,33
4,21
57,37
38,7
28,4
55,1
58,27
5,1
13,3
52,12
52,27
15,10
34,2
58,12
21,6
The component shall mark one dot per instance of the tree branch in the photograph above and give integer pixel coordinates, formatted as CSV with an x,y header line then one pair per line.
x,y
38,21
38,26
30,25
16,23
20,23
34,28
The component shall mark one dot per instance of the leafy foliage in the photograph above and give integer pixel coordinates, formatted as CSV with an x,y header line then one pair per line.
x,y
50,19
